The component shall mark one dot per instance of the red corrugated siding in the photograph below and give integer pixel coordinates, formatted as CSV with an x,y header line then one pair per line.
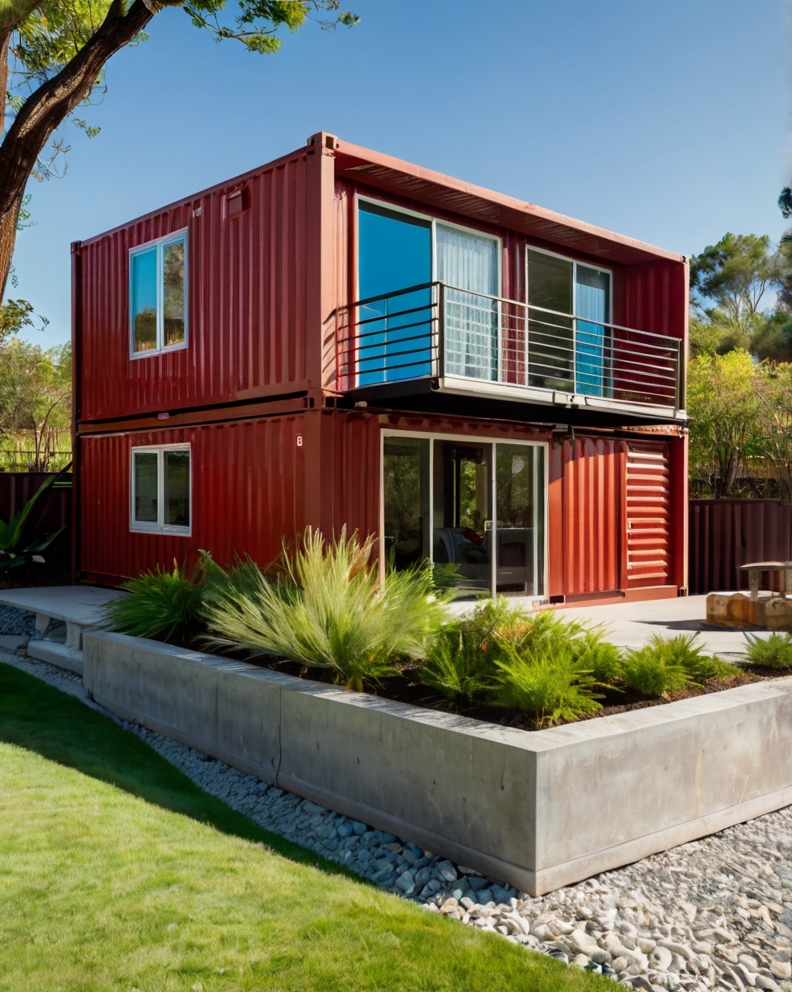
x,y
649,525
248,482
593,524
653,297
248,280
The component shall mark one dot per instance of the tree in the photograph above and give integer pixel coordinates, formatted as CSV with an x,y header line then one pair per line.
x,y
35,396
728,281
724,414
52,58
773,388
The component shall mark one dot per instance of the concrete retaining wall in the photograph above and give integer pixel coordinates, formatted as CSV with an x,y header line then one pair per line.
x,y
538,810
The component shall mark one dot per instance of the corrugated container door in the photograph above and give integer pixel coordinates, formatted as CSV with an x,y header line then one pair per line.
x,y
648,515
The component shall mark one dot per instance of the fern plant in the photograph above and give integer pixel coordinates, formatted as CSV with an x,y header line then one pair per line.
x,y
668,665
327,609
774,651
547,684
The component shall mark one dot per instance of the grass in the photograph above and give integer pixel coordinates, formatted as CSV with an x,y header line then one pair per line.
x,y
117,873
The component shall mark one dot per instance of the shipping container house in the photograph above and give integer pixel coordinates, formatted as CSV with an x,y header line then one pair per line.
x,y
340,338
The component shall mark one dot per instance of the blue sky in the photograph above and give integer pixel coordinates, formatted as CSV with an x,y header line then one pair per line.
x,y
664,121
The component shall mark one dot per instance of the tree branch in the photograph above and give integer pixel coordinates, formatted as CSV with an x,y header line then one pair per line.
x,y
46,108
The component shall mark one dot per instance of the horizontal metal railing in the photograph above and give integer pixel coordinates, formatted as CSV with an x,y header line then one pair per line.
x,y
437,330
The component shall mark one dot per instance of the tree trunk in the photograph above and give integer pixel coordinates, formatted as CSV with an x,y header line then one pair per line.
x,y
46,109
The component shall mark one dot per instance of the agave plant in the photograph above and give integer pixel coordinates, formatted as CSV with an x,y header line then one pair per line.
x,y
17,546
327,609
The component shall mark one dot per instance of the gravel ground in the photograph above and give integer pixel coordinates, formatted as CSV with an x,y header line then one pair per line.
x,y
712,914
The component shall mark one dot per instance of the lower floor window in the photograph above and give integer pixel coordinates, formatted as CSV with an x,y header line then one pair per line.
x,y
161,487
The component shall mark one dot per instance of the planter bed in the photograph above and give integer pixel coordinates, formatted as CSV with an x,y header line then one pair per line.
x,y
537,810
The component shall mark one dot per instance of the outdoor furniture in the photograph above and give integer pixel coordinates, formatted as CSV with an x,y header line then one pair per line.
x,y
62,614
755,570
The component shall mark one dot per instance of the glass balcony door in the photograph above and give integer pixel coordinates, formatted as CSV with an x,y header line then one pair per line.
x,y
393,338
467,262
477,505
568,342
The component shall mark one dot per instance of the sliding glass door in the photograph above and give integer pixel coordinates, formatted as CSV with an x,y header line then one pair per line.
x,y
477,506
567,329
467,262
394,332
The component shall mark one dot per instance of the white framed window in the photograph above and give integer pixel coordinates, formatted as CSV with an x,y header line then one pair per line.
x,y
158,296
161,489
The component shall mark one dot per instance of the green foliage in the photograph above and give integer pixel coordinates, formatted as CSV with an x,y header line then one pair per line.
x,y
774,651
535,662
772,341
733,275
545,682
162,605
18,546
724,413
457,665
35,396
668,665
327,609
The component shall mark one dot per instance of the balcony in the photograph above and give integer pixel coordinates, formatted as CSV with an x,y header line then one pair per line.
x,y
469,343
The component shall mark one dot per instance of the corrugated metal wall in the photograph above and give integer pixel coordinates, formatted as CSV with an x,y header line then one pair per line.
x,y
247,286
604,517
727,533
589,472
248,485
652,296
648,515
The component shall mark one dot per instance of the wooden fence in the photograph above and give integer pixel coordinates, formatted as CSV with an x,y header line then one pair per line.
x,y
727,533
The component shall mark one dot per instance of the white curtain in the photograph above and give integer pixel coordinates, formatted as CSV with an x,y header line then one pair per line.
x,y
468,263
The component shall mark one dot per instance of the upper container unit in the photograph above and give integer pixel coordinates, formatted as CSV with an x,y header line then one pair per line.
x,y
340,271
204,303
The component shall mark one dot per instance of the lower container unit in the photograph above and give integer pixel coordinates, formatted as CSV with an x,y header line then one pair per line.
x,y
509,507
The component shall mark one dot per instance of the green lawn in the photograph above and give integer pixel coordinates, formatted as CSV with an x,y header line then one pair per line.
x,y
116,872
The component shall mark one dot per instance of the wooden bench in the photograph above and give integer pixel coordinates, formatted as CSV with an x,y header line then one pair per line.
x,y
756,569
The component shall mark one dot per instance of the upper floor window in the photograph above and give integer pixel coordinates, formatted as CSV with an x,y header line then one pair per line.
x,y
158,295
161,488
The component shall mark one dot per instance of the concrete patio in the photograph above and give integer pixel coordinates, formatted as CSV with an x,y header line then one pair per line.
x,y
632,624
62,613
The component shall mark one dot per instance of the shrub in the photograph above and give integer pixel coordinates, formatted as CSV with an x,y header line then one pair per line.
x,y
327,609
460,661
548,684
162,605
534,662
668,665
774,651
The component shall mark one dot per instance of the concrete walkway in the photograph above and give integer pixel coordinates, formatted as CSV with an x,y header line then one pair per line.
x,y
632,624
69,604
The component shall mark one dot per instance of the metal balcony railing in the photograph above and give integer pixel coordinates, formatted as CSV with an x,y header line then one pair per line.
x,y
439,331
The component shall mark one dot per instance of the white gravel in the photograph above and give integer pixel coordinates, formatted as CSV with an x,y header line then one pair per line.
x,y
712,914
